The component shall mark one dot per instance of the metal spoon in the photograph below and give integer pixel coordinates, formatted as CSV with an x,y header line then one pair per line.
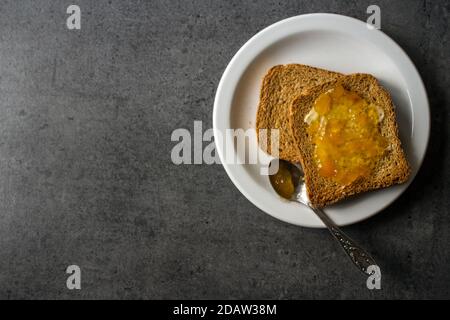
x,y
295,190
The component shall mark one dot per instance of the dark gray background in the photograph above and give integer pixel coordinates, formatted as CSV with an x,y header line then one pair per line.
x,y
86,176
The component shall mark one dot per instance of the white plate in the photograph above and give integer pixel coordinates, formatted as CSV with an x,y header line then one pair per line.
x,y
336,43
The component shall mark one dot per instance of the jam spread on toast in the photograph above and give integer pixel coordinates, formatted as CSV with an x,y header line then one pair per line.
x,y
344,129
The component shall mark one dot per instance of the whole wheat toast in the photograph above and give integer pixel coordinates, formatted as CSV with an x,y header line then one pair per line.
x,y
281,85
391,169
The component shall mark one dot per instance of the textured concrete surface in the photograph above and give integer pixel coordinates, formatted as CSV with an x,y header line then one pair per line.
x,y
86,177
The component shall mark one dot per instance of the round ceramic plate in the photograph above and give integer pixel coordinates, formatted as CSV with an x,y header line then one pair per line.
x,y
332,42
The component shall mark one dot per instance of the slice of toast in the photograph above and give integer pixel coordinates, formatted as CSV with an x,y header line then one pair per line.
x,y
281,85
391,169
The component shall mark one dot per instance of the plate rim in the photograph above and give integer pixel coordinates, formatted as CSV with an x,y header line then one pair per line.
x,y
225,81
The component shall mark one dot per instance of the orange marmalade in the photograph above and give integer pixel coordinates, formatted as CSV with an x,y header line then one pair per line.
x,y
344,129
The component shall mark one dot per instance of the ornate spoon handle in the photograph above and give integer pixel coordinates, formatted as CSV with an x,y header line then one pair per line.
x,y
357,254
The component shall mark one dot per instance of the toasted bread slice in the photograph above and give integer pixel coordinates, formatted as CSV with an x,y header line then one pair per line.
x,y
281,85
391,169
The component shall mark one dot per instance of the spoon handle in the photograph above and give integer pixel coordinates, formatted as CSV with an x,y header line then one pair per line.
x,y
357,254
